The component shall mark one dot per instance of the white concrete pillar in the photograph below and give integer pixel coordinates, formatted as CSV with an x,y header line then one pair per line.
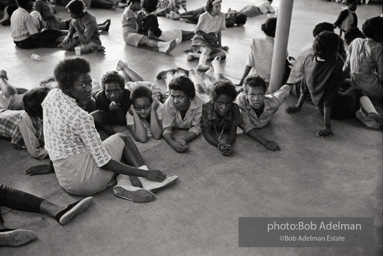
x,y
280,46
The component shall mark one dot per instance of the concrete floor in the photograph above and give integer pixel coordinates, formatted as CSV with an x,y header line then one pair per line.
x,y
311,177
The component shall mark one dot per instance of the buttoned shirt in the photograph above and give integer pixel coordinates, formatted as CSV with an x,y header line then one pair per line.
x,y
22,25
171,117
70,130
271,104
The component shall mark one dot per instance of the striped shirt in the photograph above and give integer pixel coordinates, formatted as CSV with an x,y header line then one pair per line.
x,y
22,25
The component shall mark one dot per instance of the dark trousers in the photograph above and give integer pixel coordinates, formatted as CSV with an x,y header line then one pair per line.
x,y
18,200
46,39
346,104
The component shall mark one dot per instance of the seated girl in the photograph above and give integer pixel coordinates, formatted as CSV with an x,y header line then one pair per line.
x,y
207,39
27,30
84,164
51,21
221,115
131,26
150,26
365,60
261,52
145,115
83,30
322,78
182,110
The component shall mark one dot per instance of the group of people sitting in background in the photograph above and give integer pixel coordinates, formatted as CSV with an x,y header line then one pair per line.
x,y
73,124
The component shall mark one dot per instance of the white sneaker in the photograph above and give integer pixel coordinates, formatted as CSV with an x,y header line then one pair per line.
x,y
156,186
367,121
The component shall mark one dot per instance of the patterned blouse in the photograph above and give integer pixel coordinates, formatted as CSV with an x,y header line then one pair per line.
x,y
69,130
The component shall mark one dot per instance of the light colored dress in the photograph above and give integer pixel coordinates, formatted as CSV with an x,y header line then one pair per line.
x,y
365,64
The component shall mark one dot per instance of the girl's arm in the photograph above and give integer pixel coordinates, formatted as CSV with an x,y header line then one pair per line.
x,y
232,134
155,123
301,100
120,168
245,73
31,142
210,136
326,131
256,135
137,128
341,17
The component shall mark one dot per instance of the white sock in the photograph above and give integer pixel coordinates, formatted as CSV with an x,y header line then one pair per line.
x,y
144,167
202,59
367,105
163,44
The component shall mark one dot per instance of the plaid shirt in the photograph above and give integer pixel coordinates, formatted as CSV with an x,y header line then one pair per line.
x,y
271,104
209,117
9,126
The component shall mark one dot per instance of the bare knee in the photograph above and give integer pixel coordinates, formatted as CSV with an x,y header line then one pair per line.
x,y
220,54
143,41
123,136
206,51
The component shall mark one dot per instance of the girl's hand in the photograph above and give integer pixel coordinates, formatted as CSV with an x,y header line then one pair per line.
x,y
114,106
225,149
292,109
155,103
155,175
225,48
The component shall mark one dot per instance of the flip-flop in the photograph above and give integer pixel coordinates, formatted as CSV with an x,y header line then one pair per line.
x,y
72,210
16,237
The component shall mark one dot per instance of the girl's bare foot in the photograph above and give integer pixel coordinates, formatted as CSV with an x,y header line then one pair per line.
x,y
121,64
